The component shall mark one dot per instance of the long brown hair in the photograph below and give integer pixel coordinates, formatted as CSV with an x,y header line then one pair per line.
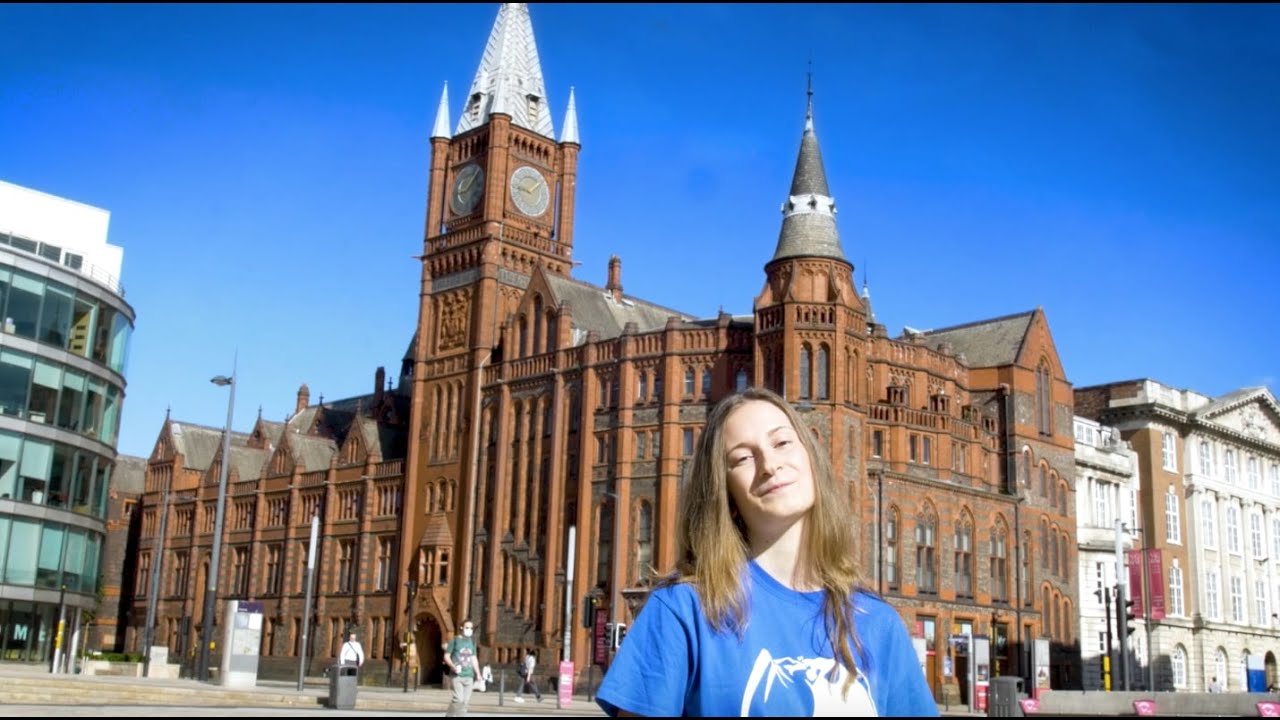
x,y
713,547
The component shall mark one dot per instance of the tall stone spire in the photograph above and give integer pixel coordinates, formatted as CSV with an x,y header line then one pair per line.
x,y
570,132
441,128
809,214
509,77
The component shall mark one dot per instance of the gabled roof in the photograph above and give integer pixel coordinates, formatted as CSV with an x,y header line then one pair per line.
x,y
248,462
199,444
311,452
595,309
986,343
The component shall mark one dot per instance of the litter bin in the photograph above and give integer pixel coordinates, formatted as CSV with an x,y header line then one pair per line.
x,y
1003,700
342,686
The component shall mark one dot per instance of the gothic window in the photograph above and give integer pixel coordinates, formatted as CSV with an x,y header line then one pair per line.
x,y
346,566
806,374
1000,562
688,382
385,579
240,572
963,542
644,543
824,373
275,570
1044,399
1025,562
891,549
706,382
536,319
926,553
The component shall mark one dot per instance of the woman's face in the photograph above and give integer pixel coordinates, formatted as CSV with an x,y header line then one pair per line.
x,y
770,478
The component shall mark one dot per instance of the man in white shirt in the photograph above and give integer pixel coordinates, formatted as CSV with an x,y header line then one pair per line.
x,y
352,652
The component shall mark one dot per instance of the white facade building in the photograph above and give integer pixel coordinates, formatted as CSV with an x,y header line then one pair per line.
x,y
1106,493
1210,501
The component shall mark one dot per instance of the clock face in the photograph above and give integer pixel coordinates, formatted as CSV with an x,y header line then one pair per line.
x,y
467,189
529,191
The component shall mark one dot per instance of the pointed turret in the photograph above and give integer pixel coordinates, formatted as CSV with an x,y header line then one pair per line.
x,y
509,77
866,297
570,132
809,214
441,128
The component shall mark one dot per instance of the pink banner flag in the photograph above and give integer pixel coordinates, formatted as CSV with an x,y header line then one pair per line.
x,y
1134,558
1155,583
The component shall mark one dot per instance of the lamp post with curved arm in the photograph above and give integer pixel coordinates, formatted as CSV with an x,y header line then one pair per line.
x,y
211,585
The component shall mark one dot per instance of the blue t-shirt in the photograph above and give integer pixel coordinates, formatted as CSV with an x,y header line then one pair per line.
x,y
674,662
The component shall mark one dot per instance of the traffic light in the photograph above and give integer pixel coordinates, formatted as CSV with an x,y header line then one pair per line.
x,y
589,604
1126,617
619,632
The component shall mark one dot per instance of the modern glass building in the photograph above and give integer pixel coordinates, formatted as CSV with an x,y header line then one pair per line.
x,y
64,338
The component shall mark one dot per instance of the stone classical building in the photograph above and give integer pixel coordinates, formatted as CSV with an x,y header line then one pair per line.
x,y
1209,473
1106,493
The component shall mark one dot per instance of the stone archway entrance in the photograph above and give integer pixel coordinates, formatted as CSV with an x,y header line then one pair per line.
x,y
1269,663
430,656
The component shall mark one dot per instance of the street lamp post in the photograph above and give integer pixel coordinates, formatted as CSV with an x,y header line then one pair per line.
x,y
154,590
412,587
211,586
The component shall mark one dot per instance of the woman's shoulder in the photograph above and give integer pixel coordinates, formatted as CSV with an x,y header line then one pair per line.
x,y
676,596
868,604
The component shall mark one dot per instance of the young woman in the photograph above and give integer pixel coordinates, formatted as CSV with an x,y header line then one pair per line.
x,y
763,615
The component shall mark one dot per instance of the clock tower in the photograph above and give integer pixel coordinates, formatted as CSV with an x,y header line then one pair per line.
x,y
500,200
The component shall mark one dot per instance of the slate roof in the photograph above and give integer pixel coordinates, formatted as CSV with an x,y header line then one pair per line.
x,y
986,343
595,309
199,444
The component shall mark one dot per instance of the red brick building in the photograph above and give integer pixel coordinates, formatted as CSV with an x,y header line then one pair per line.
x,y
547,402
531,402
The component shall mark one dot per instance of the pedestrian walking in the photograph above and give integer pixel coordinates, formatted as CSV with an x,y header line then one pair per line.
x,y
528,669
464,666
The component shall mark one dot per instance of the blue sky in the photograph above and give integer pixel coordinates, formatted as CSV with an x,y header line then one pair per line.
x,y
265,170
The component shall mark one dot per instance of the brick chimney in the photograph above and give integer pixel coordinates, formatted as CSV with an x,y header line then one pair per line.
x,y
304,399
379,381
614,286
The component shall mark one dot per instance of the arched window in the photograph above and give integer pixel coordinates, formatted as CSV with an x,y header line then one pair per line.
x,y
688,382
806,372
536,319
644,543
963,543
926,552
891,549
1178,663
999,562
824,370
1044,399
